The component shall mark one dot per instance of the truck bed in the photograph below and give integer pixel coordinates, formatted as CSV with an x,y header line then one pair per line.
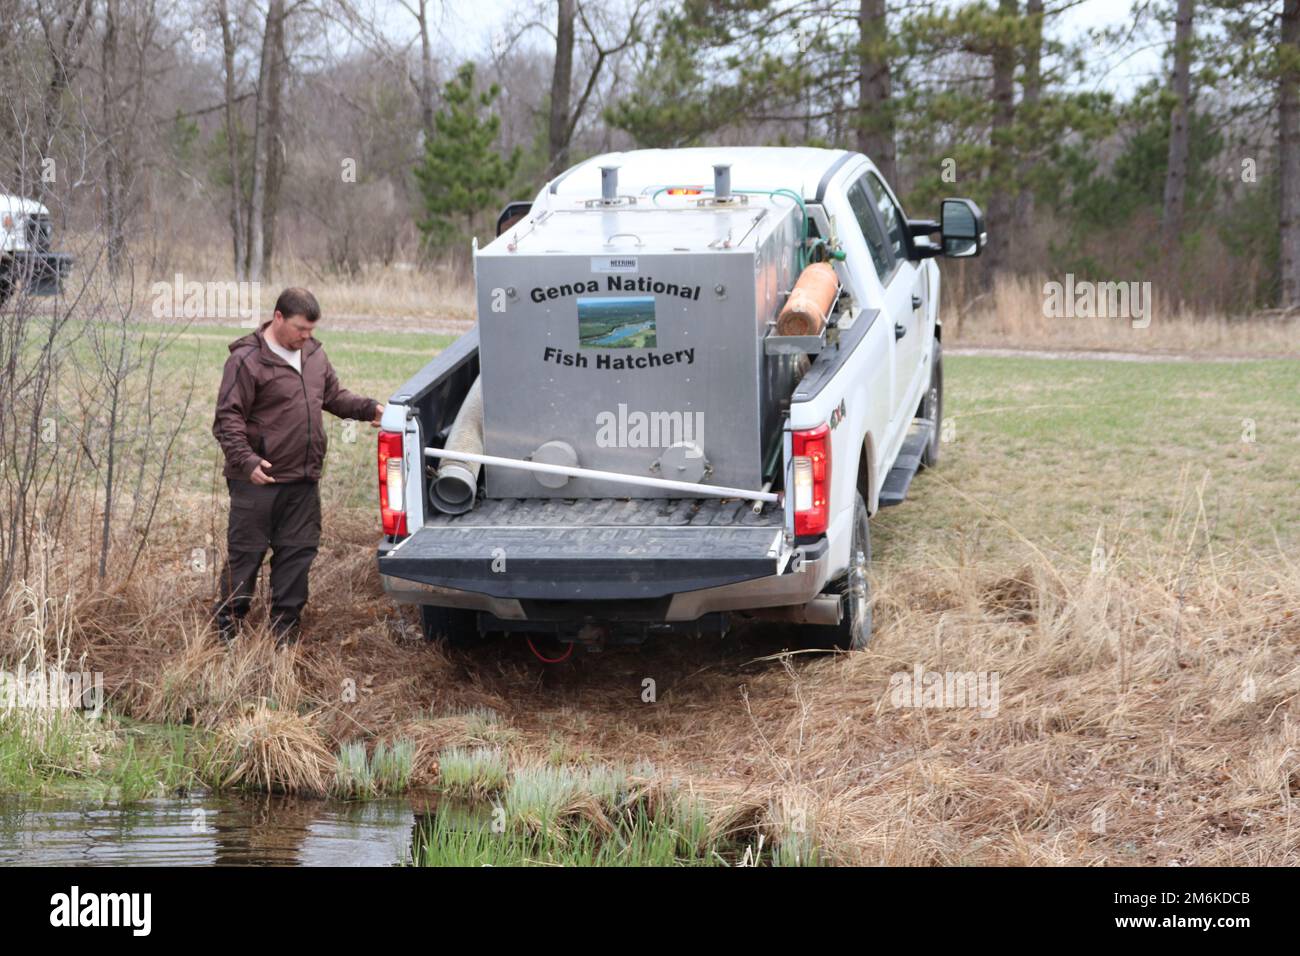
x,y
612,512
592,549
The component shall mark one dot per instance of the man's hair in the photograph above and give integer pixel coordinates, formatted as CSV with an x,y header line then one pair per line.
x,y
298,301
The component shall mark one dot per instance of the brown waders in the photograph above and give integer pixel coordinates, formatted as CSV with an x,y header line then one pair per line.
x,y
286,518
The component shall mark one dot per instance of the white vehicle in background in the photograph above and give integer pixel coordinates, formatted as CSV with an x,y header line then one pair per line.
x,y
26,249
696,374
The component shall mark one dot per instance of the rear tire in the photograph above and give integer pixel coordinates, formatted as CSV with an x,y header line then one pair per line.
x,y
452,626
853,633
932,408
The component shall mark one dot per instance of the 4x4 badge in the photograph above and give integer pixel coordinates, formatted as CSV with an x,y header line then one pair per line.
x,y
837,415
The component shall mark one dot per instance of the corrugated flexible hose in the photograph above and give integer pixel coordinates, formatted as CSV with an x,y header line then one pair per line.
x,y
456,482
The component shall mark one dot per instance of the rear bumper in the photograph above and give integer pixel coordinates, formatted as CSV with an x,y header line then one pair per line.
x,y
626,573
585,563
43,272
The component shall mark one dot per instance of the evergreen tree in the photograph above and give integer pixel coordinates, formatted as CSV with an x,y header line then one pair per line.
x,y
462,172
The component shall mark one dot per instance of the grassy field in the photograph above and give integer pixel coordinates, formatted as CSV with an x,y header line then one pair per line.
x,y
1086,441
1057,451
1099,534
1070,455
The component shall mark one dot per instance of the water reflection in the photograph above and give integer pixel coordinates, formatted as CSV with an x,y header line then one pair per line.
x,y
450,817
205,830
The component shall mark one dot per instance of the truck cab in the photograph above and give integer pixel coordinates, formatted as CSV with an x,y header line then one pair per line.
x,y
633,442
26,249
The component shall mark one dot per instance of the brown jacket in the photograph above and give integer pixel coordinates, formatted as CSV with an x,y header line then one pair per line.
x,y
267,411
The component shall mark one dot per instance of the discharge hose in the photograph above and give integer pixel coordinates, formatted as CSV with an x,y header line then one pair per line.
x,y
456,482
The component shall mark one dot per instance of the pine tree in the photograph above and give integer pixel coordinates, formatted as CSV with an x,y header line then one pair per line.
x,y
462,172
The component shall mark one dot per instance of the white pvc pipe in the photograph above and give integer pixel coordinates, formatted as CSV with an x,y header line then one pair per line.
x,y
713,491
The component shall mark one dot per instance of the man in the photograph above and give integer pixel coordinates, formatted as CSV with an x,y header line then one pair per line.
x,y
270,428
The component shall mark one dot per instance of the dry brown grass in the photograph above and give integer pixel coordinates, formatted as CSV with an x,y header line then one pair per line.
x,y
272,750
439,297
1148,712
1010,315
433,296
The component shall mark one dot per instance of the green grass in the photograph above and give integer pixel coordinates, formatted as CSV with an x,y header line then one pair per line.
x,y
361,776
368,363
539,796
796,849
393,765
1053,449
34,758
485,724
547,817
354,777
480,771
152,761
69,755
452,837
374,342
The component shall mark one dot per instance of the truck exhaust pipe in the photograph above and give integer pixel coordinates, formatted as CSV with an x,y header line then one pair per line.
x,y
722,182
456,482
824,610
609,185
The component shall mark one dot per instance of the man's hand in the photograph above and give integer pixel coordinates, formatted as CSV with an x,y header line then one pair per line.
x,y
260,477
379,414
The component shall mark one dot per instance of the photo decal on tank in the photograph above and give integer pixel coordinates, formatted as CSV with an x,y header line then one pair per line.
x,y
617,322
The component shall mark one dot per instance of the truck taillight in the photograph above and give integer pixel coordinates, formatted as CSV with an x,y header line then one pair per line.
x,y
391,504
811,461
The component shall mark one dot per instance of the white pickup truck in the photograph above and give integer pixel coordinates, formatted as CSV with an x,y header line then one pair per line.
x,y
631,441
26,256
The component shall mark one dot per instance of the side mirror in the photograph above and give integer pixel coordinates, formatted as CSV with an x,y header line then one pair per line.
x,y
962,226
512,214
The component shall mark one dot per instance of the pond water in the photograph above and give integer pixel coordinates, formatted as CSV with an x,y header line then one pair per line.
x,y
207,830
